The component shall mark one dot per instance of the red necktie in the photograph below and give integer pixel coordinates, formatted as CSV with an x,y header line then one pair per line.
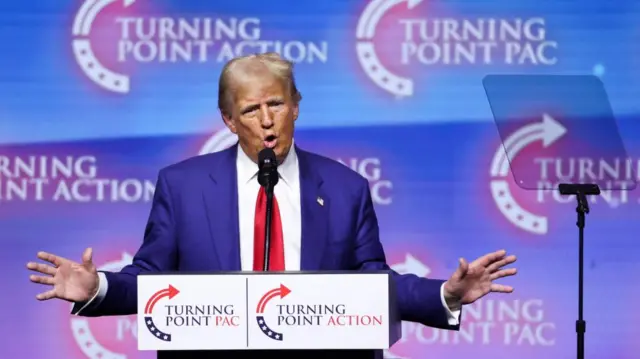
x,y
276,254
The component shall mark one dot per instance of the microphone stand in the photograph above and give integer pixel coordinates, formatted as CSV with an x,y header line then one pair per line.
x,y
581,191
268,178
267,231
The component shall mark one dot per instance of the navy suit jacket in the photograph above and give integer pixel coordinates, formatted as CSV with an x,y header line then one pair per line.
x,y
193,227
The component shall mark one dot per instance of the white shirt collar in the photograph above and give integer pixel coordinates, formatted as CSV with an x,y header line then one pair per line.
x,y
248,170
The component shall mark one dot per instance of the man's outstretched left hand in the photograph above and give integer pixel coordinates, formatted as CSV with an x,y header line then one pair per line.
x,y
472,281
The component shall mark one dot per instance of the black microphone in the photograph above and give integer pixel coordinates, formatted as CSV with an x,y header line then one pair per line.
x,y
268,178
267,169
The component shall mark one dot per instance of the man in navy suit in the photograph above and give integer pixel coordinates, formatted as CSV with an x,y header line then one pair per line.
x,y
207,216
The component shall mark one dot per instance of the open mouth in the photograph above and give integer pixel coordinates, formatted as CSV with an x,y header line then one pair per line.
x,y
270,141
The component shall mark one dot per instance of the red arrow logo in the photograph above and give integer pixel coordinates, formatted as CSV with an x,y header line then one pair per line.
x,y
282,291
168,292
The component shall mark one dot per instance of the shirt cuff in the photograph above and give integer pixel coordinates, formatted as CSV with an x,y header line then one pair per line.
x,y
453,316
97,298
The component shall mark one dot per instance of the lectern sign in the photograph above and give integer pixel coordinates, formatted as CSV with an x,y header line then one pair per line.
x,y
325,310
178,311
266,311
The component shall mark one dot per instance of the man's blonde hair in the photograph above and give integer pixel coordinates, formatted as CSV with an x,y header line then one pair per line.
x,y
244,67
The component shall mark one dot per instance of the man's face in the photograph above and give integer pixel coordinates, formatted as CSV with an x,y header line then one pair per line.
x,y
263,116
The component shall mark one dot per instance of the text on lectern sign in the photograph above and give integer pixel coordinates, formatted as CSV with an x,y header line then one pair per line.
x,y
185,315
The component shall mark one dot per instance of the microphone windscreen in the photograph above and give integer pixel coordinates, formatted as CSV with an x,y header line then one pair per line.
x,y
267,157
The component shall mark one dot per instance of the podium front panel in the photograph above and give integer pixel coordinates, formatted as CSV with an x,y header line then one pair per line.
x,y
240,311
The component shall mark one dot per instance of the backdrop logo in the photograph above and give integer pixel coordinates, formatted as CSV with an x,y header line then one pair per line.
x,y
182,38
83,52
67,178
168,293
528,152
447,41
548,131
281,292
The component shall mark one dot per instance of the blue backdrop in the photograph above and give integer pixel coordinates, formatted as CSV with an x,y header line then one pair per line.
x,y
98,95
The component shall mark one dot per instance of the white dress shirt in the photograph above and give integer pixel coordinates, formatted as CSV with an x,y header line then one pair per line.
x,y
287,193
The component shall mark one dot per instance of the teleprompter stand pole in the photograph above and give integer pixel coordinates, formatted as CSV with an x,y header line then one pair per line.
x,y
581,191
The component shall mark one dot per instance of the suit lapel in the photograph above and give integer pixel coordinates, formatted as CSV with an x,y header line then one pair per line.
x,y
221,202
315,214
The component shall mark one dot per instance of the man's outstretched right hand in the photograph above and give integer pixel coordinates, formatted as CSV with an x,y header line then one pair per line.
x,y
71,281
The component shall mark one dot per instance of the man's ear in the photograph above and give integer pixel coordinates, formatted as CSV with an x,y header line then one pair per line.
x,y
229,122
296,110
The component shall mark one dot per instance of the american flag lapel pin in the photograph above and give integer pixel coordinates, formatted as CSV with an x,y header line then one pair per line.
x,y
320,201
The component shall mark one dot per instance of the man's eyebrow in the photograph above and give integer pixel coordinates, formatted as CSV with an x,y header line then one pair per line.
x,y
275,100
255,106
249,108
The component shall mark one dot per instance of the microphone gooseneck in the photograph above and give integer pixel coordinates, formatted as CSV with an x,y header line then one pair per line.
x,y
268,178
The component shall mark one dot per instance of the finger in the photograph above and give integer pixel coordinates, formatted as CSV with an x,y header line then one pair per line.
x,y
501,263
53,259
487,259
46,295
500,288
41,279
41,268
503,273
463,268
87,255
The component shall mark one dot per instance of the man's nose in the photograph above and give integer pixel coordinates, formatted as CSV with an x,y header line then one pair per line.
x,y
266,117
